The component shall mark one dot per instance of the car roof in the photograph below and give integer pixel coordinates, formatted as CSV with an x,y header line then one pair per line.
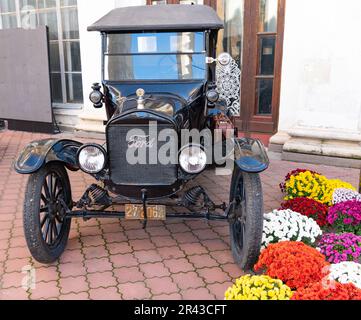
x,y
171,17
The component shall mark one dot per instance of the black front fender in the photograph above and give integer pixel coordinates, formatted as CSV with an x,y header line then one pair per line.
x,y
38,153
250,155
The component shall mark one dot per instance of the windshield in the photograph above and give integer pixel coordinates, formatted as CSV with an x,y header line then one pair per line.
x,y
155,56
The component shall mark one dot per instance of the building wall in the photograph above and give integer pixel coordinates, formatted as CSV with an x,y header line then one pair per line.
x,y
321,64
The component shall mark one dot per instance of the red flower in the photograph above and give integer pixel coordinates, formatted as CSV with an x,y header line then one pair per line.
x,y
328,290
295,263
308,207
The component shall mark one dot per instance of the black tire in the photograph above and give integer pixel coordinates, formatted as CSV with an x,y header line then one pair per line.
x,y
45,228
246,218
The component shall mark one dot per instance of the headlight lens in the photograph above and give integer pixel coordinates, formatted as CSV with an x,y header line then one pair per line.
x,y
192,159
91,158
212,96
95,96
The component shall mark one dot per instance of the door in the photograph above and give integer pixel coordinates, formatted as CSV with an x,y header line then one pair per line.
x,y
261,66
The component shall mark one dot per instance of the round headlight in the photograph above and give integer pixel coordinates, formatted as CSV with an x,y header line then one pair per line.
x,y
212,96
91,158
95,97
192,159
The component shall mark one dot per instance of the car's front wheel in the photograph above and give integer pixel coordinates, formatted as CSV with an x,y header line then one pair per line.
x,y
45,226
246,218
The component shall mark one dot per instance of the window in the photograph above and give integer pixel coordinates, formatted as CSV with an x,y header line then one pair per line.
x,y
61,17
266,40
231,38
155,56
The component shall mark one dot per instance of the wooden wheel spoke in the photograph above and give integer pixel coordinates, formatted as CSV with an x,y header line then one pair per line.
x,y
43,220
45,200
51,233
44,208
50,185
47,227
59,192
46,189
55,186
55,228
58,219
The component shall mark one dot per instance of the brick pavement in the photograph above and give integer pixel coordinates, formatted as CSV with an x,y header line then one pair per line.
x,y
109,259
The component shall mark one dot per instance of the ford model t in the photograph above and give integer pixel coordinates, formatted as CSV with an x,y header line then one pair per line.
x,y
168,106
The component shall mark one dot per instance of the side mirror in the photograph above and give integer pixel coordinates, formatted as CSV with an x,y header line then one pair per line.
x,y
96,96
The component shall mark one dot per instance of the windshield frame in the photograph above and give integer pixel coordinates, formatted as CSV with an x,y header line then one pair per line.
x,y
104,36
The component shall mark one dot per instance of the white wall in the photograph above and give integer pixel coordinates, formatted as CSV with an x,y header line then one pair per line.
x,y
321,74
90,47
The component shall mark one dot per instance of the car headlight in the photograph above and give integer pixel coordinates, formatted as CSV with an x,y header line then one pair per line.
x,y
212,96
95,97
91,158
192,159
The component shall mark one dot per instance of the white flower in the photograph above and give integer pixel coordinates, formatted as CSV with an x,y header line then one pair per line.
x,y
346,272
342,195
287,225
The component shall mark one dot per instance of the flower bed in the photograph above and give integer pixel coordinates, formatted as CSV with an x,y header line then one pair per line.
x,y
328,291
314,186
340,247
332,271
258,288
295,263
287,225
308,207
346,217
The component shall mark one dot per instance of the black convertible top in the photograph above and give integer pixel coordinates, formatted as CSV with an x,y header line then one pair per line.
x,y
159,17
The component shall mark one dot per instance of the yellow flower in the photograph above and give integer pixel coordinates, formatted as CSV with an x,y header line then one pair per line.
x,y
313,186
258,288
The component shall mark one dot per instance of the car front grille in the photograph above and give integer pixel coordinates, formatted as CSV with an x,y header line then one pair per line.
x,y
124,173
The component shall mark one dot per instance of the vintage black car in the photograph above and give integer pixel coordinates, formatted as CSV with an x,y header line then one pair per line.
x,y
159,77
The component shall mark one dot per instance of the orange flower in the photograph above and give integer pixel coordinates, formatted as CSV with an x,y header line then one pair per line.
x,y
330,290
295,263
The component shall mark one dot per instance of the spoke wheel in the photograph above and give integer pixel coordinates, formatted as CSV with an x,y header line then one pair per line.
x,y
45,226
246,218
51,210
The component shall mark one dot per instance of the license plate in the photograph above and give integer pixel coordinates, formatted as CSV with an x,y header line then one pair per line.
x,y
154,212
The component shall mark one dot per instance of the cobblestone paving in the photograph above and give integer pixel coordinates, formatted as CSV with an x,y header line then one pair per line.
x,y
109,259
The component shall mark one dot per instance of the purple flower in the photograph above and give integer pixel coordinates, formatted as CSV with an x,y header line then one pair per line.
x,y
346,216
340,247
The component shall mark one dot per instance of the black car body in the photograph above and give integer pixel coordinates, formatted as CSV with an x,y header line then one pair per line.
x,y
161,72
